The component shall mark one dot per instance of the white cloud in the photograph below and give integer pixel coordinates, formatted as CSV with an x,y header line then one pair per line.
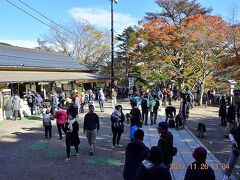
x,y
102,18
20,43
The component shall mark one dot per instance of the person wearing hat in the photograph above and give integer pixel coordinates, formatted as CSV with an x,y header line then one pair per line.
x,y
152,167
71,129
165,143
199,170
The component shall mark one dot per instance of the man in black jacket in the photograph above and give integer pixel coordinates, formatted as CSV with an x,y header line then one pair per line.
x,y
165,143
91,126
136,152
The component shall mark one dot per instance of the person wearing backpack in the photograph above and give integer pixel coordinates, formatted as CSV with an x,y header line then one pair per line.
x,y
151,109
165,143
145,108
48,124
152,167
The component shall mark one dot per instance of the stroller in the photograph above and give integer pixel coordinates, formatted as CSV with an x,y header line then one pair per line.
x,y
179,121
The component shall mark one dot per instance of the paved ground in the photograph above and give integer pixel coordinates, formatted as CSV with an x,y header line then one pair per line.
x,y
214,139
25,155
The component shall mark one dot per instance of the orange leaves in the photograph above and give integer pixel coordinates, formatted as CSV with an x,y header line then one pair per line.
x,y
158,30
205,29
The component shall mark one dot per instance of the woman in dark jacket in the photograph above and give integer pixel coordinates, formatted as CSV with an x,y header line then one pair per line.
x,y
117,119
71,128
152,167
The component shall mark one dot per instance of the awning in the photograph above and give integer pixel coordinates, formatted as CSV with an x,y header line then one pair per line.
x,y
30,76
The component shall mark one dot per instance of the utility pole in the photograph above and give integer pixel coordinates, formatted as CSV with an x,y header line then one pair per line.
x,y
112,43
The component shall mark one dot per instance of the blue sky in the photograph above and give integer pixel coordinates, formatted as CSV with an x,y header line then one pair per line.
x,y
20,29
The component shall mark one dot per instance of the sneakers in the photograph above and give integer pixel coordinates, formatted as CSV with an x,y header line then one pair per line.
x,y
119,145
67,159
77,155
113,147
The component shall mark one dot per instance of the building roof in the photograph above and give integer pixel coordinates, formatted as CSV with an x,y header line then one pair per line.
x,y
23,58
31,76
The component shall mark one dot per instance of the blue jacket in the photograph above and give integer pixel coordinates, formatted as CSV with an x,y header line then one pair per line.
x,y
136,152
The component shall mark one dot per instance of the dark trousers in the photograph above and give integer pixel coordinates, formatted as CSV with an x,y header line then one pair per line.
x,y
69,150
82,107
16,114
145,115
153,117
31,107
60,128
48,131
117,132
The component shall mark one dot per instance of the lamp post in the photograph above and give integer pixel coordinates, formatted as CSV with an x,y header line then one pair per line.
x,y
112,42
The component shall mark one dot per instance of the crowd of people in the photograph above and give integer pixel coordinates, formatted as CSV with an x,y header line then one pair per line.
x,y
140,162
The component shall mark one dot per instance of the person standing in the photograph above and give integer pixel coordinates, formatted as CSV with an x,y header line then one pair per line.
x,y
47,124
61,118
135,115
223,111
184,109
151,108
136,152
91,126
16,107
199,170
62,98
165,143
37,103
53,102
234,136
101,99
30,101
77,101
145,108
117,125
71,127
82,101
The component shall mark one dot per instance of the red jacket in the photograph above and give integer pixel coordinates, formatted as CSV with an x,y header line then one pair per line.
x,y
61,116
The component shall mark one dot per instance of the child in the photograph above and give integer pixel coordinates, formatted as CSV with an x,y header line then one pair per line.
x,y
133,129
48,124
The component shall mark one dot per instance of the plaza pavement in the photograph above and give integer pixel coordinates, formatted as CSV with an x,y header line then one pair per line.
x,y
25,155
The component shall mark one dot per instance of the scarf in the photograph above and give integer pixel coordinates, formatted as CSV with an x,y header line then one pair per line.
x,y
70,127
